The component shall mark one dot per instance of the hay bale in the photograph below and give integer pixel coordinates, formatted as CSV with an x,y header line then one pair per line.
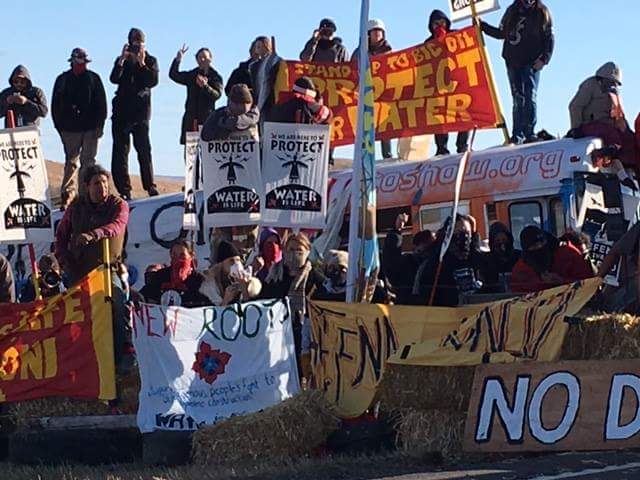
x,y
282,433
423,432
425,388
603,337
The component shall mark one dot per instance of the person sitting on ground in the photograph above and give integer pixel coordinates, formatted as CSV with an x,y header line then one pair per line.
x,y
269,252
179,283
545,263
399,269
582,242
305,106
227,281
7,282
458,273
498,262
238,117
49,281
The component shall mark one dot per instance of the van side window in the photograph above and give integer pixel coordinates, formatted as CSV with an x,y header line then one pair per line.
x,y
557,217
523,214
432,217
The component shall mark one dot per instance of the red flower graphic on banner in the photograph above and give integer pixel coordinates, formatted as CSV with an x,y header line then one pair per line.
x,y
210,363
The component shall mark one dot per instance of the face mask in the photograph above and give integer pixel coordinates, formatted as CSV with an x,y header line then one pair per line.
x,y
440,32
296,259
272,252
181,269
79,68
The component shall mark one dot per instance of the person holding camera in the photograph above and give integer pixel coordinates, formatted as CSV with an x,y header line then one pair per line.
x,y
136,73
50,280
79,110
324,46
27,102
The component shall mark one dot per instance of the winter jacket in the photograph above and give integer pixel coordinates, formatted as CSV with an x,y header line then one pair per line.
x,y
30,112
7,283
264,73
240,75
324,51
106,220
492,263
79,103
132,101
221,125
568,263
190,298
527,34
201,101
379,49
398,268
592,103
301,109
213,286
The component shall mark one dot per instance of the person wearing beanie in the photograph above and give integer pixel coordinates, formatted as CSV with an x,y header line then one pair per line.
x,y
305,106
27,102
239,118
79,111
545,263
204,88
439,26
499,260
227,281
135,72
269,252
324,46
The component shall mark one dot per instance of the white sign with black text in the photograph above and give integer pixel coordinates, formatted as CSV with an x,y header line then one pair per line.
x,y
192,174
461,9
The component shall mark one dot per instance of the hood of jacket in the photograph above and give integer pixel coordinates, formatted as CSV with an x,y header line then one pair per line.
x,y
497,228
22,71
610,71
438,15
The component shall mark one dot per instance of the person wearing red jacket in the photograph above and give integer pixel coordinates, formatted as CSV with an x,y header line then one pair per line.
x,y
546,264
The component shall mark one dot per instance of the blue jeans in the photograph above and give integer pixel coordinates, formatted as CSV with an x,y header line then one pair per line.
x,y
524,88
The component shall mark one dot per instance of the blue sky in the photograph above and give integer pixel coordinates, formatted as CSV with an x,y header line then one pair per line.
x,y
42,34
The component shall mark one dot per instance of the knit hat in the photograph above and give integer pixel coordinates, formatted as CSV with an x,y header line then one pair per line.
x,y
226,250
266,233
79,54
240,93
338,258
329,24
530,236
136,35
305,86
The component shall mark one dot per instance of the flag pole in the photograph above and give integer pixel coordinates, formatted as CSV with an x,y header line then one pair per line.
x,y
106,261
484,56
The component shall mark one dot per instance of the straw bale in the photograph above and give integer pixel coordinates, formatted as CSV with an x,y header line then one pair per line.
x,y
422,432
603,337
425,388
283,433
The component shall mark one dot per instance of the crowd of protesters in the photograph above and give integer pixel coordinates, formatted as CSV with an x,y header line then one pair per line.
x,y
278,264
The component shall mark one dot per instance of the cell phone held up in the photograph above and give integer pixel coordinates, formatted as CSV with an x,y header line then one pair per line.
x,y
133,48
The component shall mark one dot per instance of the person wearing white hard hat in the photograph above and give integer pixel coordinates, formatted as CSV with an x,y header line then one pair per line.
x,y
378,45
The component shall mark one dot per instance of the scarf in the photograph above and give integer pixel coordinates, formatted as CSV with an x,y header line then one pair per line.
x,y
296,292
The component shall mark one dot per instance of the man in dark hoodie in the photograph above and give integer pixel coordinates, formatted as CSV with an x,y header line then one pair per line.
x,y
27,102
440,26
305,106
79,110
136,73
499,260
324,46
527,31
239,117
204,87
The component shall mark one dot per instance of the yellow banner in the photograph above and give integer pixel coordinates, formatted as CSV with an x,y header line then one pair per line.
x,y
353,342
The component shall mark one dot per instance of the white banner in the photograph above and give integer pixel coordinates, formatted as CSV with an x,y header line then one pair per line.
x,y
295,165
201,365
25,205
192,174
232,182
461,9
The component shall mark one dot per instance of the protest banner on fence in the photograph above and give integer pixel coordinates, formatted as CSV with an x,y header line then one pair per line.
x,y
461,9
62,346
201,365
192,173
429,88
295,169
563,406
353,342
232,183
25,205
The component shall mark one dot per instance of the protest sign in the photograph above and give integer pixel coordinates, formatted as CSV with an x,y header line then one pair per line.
x,y
25,205
461,9
295,166
192,176
201,365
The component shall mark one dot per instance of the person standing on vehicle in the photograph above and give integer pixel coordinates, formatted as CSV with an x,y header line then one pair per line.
x,y
324,46
27,102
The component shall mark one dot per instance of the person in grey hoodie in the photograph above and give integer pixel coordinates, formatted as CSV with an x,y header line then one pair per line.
x,y
27,102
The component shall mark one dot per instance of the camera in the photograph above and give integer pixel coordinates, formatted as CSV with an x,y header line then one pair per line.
x,y
51,279
135,48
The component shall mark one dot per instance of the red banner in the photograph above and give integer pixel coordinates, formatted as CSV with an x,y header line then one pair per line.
x,y
62,346
435,87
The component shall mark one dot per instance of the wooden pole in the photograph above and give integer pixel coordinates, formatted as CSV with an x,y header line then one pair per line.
x,y
35,273
106,261
497,105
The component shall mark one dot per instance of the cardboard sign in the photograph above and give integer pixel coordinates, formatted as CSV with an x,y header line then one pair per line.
x,y
586,405
461,9
25,206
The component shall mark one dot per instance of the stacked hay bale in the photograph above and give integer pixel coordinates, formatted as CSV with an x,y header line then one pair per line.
x,y
283,433
603,337
429,405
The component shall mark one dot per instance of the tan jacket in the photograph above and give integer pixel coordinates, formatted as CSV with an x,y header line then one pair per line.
x,y
591,104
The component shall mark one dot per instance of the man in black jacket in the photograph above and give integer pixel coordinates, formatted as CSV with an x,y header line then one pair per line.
x,y
240,116
136,73
527,31
27,102
204,87
79,110
323,46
